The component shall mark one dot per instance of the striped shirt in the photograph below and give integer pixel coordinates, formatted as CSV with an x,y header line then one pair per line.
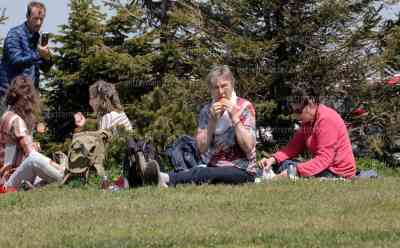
x,y
15,135
114,119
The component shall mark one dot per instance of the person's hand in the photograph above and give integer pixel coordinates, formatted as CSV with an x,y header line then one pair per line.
x,y
41,127
36,146
266,163
232,109
6,171
44,52
216,110
80,119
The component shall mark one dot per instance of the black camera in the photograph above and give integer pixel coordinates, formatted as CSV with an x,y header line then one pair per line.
x,y
44,39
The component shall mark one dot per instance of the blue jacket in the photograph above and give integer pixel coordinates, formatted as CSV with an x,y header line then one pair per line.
x,y
20,56
183,154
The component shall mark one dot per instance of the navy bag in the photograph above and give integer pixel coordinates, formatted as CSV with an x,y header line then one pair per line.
x,y
183,154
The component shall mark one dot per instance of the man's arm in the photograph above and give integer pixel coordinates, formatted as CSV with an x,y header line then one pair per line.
x,y
207,123
326,135
17,54
46,62
295,146
244,137
243,121
204,137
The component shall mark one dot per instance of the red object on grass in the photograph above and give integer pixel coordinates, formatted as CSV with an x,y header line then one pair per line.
x,y
358,112
120,182
3,189
393,80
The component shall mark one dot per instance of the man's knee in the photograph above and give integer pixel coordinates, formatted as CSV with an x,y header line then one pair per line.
x,y
200,174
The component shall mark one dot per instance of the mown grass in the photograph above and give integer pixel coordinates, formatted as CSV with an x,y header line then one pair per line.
x,y
303,213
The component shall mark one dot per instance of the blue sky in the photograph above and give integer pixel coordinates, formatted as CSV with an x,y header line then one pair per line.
x,y
57,13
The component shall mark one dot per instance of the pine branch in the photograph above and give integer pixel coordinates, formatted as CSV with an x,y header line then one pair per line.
x,y
3,16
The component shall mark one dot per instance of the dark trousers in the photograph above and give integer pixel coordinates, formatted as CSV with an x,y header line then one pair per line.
x,y
211,175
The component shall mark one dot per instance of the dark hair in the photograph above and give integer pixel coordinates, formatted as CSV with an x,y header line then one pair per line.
x,y
303,95
32,5
23,99
106,98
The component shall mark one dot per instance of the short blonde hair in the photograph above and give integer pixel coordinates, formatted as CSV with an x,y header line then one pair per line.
x,y
220,72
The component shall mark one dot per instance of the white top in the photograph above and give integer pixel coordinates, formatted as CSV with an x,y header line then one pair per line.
x,y
114,119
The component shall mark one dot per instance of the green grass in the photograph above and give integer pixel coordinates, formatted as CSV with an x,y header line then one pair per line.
x,y
304,213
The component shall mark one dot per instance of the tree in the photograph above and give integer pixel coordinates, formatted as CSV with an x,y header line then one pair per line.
x,y
67,91
158,53
131,50
3,18
273,45
390,47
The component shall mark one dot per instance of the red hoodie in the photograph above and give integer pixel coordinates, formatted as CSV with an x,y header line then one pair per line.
x,y
328,141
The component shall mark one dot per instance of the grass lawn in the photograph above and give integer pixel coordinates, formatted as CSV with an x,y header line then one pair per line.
x,y
303,213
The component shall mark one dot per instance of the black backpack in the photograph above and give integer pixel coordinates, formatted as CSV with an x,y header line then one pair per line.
x,y
141,163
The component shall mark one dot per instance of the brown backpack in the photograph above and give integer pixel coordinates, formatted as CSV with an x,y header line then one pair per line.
x,y
86,151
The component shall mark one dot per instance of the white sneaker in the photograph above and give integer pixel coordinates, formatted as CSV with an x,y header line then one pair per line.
x,y
266,175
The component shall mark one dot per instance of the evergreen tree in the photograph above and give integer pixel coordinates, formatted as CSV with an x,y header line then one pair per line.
x,y
390,47
159,52
95,47
170,110
382,95
3,18
275,44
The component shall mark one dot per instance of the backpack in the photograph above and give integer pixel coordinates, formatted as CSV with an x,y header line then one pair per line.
x,y
141,163
87,150
183,154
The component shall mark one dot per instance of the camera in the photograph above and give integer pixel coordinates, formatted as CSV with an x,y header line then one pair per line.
x,y
44,39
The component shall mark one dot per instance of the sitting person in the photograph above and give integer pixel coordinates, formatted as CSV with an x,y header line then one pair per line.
x,y
17,127
324,133
225,134
17,149
105,102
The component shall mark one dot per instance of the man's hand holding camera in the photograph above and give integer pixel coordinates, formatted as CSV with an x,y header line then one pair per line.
x,y
43,47
44,52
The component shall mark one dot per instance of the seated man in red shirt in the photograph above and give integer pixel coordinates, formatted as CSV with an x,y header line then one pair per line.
x,y
324,133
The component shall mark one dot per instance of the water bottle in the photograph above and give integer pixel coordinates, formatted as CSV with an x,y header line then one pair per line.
x,y
105,184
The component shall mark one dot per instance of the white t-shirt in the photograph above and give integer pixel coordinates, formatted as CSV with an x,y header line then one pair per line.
x,y
114,119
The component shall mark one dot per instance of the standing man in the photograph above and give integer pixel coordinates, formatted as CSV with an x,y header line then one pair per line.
x,y
23,54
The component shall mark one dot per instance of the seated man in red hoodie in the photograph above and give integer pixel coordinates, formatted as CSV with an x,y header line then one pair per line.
x,y
323,133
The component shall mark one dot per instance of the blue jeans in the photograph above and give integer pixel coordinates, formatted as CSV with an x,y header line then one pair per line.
x,y
291,166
